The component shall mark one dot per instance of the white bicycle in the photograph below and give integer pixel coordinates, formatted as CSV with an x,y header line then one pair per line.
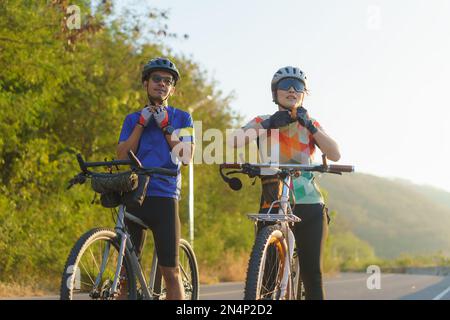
x,y
273,270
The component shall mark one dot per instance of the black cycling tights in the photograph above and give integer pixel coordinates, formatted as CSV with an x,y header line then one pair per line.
x,y
161,216
310,236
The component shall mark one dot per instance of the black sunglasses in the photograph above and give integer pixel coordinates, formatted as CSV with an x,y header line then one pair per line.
x,y
167,80
287,83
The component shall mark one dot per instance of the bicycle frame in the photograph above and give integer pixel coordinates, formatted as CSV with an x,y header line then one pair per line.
x,y
285,217
125,243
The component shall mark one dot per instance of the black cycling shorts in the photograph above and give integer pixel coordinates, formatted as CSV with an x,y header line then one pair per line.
x,y
161,216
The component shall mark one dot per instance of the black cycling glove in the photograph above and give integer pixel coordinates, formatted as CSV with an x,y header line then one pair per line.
x,y
304,120
277,120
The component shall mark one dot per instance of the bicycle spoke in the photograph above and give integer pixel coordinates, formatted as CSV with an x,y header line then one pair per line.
x,y
85,270
271,272
102,250
184,272
95,261
85,283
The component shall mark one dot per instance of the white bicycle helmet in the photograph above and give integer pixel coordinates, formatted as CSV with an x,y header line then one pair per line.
x,y
286,72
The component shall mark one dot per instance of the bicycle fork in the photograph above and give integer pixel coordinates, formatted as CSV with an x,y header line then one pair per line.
x,y
105,257
285,209
287,263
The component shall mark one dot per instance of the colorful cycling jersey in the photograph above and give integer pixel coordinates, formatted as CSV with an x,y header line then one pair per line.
x,y
154,151
295,144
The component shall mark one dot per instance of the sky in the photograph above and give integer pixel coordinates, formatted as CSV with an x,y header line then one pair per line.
x,y
377,69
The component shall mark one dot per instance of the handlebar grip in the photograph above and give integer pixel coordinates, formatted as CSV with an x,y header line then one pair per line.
x,y
341,168
81,163
231,166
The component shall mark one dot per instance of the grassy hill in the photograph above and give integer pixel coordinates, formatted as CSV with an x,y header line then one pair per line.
x,y
438,196
393,216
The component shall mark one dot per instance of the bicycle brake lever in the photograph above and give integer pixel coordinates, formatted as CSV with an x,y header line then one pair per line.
x,y
251,172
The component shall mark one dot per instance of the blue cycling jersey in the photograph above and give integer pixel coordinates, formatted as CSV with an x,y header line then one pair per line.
x,y
154,151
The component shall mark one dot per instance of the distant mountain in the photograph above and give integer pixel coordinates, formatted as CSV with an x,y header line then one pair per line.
x,y
393,216
437,195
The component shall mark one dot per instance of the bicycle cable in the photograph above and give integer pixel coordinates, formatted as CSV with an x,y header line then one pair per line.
x,y
114,214
291,191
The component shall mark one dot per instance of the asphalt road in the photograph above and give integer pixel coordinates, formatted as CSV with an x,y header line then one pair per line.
x,y
353,286
346,286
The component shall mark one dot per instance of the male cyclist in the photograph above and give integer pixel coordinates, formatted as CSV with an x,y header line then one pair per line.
x,y
152,133
298,136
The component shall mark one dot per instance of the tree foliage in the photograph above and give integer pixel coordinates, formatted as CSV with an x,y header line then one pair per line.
x,y
64,91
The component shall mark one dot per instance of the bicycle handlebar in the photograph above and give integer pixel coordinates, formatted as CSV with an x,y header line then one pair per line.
x,y
133,161
333,168
254,169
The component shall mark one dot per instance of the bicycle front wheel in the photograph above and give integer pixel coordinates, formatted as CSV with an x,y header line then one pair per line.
x,y
188,271
91,267
266,265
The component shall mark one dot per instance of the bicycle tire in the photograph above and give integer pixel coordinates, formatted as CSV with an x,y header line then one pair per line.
x,y
193,286
258,259
80,247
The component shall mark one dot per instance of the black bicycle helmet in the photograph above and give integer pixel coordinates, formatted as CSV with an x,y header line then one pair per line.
x,y
162,64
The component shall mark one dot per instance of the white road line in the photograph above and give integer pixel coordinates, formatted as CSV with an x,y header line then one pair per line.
x,y
355,280
223,284
442,294
220,293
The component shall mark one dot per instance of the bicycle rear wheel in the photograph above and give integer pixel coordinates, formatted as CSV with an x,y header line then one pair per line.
x,y
189,274
266,265
98,249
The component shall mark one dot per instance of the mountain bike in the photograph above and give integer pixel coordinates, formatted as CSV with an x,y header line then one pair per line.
x,y
103,263
273,271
